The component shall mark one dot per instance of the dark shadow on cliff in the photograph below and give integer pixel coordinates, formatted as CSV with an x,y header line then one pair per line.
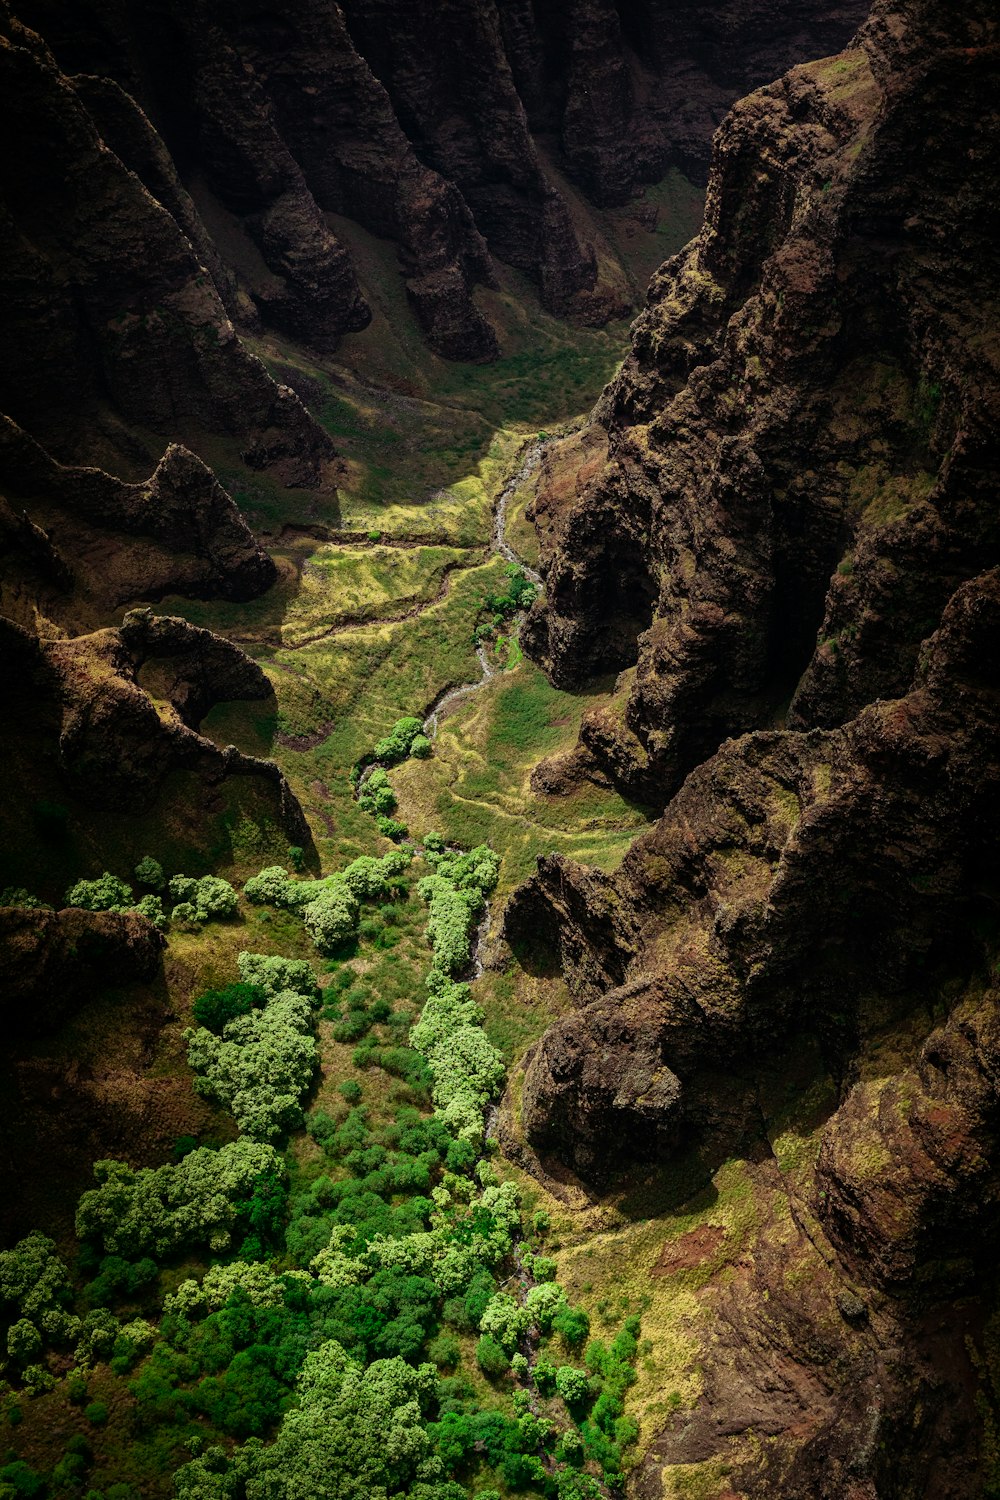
x,y
93,1065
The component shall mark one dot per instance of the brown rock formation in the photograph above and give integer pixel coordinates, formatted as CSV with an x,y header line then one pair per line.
x,y
84,1011
339,124
805,896
803,444
104,727
110,324
417,123
447,73
633,88
814,1387
803,438
907,1179
721,933
55,961
110,542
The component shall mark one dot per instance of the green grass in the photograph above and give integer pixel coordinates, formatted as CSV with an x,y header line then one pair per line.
x,y
476,786
340,584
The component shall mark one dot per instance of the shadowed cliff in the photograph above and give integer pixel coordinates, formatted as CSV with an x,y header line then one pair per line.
x,y
781,530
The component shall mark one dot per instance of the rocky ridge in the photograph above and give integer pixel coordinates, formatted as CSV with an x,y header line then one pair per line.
x,y
781,531
112,326
55,961
418,123
107,542
801,443
104,727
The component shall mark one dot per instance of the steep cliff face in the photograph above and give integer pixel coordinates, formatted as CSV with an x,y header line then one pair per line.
x,y
803,437
112,327
782,530
633,88
721,934
419,123
340,125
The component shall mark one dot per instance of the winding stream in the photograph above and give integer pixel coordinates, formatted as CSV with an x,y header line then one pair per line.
x,y
445,701
449,697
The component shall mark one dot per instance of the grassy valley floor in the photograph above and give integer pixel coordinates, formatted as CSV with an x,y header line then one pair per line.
x,y
373,617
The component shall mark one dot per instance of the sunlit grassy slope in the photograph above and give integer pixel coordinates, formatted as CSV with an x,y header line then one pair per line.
x,y
374,622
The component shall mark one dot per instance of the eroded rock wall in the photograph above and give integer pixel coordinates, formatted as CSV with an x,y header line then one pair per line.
x,y
112,328
802,443
419,122
781,531
104,728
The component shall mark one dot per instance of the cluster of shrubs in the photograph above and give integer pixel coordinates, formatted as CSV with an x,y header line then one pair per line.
x,y
518,596
19,1481
405,738
344,1348
201,1201
258,1055
17,895
352,1010
330,908
377,797
191,900
456,896
37,1315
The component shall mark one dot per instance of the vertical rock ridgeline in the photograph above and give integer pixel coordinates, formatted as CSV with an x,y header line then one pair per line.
x,y
782,531
418,122
802,440
110,322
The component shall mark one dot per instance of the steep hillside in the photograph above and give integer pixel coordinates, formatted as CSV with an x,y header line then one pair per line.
x,y
781,531
443,128
802,441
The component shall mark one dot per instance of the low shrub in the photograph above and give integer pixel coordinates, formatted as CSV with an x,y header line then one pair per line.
x,y
149,872
106,893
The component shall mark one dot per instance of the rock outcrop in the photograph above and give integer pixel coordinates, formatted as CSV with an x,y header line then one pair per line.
x,y
722,934
104,728
632,89
112,326
803,440
782,531
418,123
107,542
55,961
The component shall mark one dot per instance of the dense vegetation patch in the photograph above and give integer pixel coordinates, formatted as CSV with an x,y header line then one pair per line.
x,y
335,1327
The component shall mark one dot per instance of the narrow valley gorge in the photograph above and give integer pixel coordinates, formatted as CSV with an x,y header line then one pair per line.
x,y
499,623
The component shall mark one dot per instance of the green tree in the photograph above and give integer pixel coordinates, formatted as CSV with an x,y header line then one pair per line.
x,y
356,1434
491,1357
572,1384
149,872
159,1210
332,918
216,1008
211,896
106,893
